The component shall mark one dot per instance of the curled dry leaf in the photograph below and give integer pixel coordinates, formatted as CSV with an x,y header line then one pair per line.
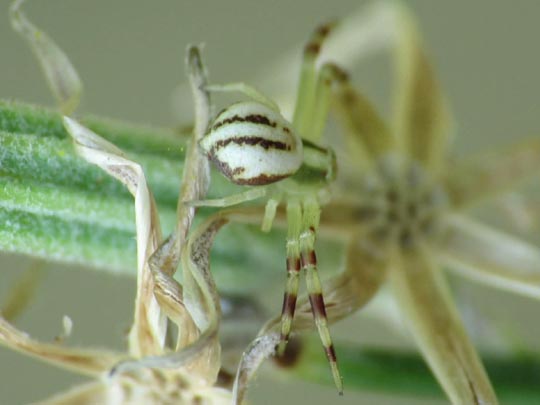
x,y
60,74
149,372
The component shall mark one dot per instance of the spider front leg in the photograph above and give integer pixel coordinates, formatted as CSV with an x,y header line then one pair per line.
x,y
308,260
303,210
234,199
303,222
246,89
294,221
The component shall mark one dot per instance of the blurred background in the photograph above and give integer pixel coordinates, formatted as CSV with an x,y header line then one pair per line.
x,y
130,53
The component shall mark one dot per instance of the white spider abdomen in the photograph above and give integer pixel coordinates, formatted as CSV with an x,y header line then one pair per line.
x,y
252,144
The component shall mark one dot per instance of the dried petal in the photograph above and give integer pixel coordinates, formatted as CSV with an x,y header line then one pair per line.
x,y
422,119
202,301
492,257
194,185
482,177
89,362
23,291
59,72
147,335
424,298
169,295
258,351
367,134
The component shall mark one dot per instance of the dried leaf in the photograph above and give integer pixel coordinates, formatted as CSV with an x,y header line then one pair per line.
x,y
422,119
491,257
425,301
258,351
147,335
367,134
83,361
492,173
23,291
61,76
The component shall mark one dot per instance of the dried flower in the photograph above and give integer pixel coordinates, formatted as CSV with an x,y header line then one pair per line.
x,y
401,205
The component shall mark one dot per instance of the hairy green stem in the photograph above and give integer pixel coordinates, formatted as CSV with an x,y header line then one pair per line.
x,y
56,206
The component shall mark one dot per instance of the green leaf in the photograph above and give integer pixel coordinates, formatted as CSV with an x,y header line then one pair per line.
x,y
403,373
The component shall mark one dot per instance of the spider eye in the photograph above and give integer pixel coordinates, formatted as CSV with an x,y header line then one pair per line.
x,y
251,144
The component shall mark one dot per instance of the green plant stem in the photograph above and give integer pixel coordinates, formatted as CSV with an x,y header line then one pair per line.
x,y
406,373
56,206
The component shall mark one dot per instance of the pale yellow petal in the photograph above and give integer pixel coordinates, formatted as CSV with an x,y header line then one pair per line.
x,y
196,174
59,72
491,257
150,388
194,185
22,292
482,177
88,362
147,334
169,295
202,355
368,137
87,394
422,120
425,301
252,358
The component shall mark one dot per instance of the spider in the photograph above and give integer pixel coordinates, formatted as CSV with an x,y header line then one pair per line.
x,y
252,144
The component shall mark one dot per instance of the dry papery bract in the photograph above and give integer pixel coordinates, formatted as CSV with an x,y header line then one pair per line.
x,y
150,371
399,206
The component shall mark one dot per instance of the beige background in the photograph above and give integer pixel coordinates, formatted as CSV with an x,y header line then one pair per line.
x,y
130,56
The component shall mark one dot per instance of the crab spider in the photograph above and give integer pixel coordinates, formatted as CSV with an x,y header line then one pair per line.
x,y
251,143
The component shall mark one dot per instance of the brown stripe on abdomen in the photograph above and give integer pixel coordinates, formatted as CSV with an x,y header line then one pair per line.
x,y
251,141
253,118
260,180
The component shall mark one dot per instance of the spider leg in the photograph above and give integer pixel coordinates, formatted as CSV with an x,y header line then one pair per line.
x,y
305,102
308,261
269,214
234,199
246,89
294,221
